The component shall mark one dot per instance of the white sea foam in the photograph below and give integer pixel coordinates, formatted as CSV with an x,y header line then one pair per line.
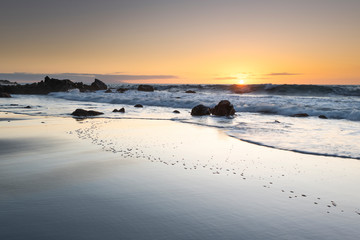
x,y
261,119
337,107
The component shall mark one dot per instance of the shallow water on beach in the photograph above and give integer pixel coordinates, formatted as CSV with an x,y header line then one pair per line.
x,y
155,179
257,120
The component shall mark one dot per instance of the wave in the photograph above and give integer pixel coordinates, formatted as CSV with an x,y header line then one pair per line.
x,y
269,89
331,107
304,90
261,119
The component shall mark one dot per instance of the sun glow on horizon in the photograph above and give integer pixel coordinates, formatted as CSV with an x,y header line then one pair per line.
x,y
241,81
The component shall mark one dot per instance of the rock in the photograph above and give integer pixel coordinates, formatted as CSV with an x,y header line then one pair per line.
x,y
56,85
176,111
138,106
4,95
85,113
223,108
323,117
190,91
276,121
121,110
108,91
300,115
52,85
42,87
98,85
145,88
7,82
121,90
200,110
27,107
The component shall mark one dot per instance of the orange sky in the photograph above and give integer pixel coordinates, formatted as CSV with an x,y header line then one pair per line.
x,y
303,42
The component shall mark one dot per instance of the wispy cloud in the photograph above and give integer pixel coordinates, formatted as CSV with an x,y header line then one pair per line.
x,y
225,78
84,77
282,74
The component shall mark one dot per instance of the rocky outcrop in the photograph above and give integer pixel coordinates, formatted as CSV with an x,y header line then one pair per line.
x,y
176,111
121,90
98,85
52,85
145,88
300,115
190,91
223,108
323,117
138,106
7,82
108,91
85,113
121,110
200,110
4,95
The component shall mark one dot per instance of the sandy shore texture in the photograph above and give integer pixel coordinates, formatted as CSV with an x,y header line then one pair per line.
x,y
62,178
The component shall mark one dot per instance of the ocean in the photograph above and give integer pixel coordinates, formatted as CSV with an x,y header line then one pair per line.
x,y
263,112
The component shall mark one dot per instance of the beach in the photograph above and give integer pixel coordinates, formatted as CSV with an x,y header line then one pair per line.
x,y
101,178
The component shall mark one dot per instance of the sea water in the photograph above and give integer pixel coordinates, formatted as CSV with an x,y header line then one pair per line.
x,y
263,112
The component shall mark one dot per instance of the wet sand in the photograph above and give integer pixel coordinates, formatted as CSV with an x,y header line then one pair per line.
x,y
62,178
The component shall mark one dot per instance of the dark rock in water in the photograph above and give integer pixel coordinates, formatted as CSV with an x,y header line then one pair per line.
x,y
145,88
42,87
27,107
138,106
323,117
300,115
121,110
4,95
98,85
276,121
200,110
190,91
224,108
176,111
108,91
122,90
85,113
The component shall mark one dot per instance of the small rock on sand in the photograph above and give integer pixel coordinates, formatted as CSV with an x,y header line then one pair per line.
x,y
223,108
121,110
85,113
200,110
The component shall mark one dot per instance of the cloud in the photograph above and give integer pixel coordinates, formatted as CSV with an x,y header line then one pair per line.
x,y
83,77
282,74
226,78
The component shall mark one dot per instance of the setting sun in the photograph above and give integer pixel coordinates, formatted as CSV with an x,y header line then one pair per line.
x,y
241,81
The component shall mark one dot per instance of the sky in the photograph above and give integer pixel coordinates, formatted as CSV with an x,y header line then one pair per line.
x,y
181,41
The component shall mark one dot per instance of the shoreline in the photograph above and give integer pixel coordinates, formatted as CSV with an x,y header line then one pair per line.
x,y
163,175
